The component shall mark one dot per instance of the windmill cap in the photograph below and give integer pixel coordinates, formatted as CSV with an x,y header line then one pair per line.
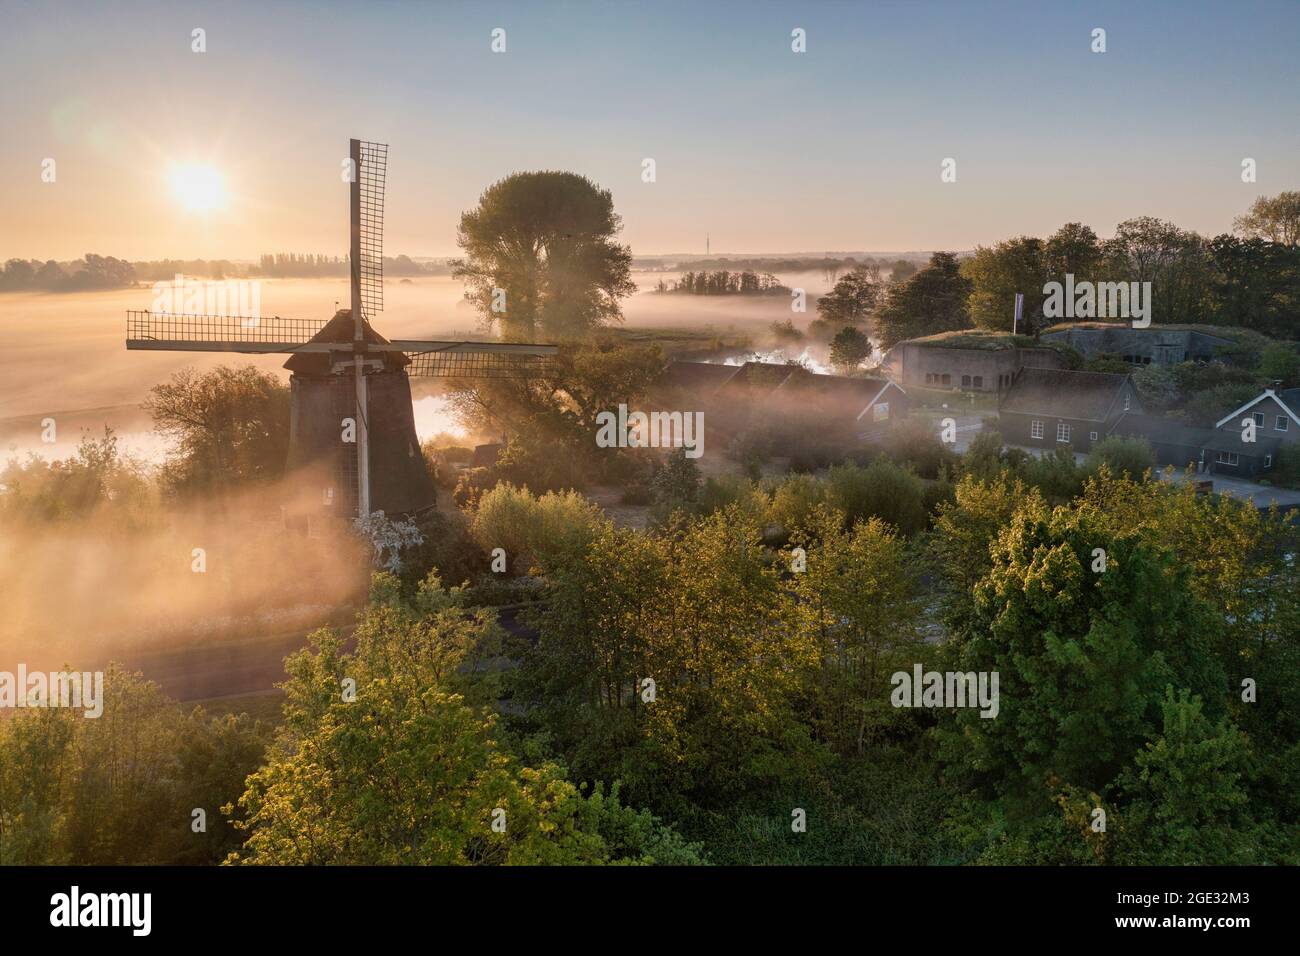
x,y
340,329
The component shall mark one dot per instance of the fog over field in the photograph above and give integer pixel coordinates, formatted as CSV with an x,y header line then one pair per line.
x,y
67,357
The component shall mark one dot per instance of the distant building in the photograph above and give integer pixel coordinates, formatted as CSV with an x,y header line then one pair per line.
x,y
1058,408
1153,345
1276,423
732,397
971,361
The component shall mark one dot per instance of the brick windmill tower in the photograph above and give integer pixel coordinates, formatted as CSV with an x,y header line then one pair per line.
x,y
352,443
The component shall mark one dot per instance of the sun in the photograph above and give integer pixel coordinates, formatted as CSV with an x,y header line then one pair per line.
x,y
198,187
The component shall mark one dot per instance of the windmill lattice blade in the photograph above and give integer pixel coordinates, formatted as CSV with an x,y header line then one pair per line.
x,y
370,178
463,362
217,333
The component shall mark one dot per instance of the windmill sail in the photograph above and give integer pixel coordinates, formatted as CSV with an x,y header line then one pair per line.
x,y
342,365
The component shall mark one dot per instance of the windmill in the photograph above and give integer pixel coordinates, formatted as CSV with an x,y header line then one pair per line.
x,y
351,413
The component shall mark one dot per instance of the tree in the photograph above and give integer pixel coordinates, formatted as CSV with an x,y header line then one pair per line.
x,y
1125,457
411,771
853,297
933,300
1275,218
849,348
997,274
1072,250
859,602
1083,655
1280,363
230,426
1174,261
540,257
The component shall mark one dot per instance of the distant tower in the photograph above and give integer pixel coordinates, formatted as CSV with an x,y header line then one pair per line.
x,y
706,243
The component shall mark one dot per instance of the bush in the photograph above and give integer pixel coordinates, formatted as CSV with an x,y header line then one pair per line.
x,y
471,485
1125,457
882,490
794,501
533,530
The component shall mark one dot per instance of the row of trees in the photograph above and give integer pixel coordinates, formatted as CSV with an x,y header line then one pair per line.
x,y
1250,280
89,272
722,282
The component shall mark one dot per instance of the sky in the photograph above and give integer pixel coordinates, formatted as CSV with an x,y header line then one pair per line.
x,y
763,149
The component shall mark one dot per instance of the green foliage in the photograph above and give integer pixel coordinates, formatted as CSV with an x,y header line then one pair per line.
x,y
882,490
1083,655
547,240
1280,363
1125,457
858,602
852,299
933,300
675,482
230,427
96,481
534,531
410,772
120,789
849,348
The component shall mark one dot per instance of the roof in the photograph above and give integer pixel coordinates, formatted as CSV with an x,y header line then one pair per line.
x,y
696,375
341,329
1288,398
1086,396
761,376
1157,428
981,339
854,392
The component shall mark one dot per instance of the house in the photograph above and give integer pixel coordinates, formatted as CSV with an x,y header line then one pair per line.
x,y
732,397
869,406
1249,451
973,360
1153,345
1174,443
1058,408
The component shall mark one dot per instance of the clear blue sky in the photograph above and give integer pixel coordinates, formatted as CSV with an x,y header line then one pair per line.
x,y
769,151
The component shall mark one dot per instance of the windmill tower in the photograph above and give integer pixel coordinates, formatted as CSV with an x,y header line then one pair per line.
x,y
352,443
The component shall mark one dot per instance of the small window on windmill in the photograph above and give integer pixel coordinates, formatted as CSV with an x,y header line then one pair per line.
x,y
327,497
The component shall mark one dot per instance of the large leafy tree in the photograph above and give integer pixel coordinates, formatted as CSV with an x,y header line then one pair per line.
x,y
997,273
411,771
1275,218
933,300
230,426
1083,657
541,258
853,298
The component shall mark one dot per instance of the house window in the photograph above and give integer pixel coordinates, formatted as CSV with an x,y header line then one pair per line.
x,y
1259,419
946,379
979,381
929,378
1092,436
880,411
1062,431
1035,429
1268,461
965,381
1126,403
1227,458
1281,423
